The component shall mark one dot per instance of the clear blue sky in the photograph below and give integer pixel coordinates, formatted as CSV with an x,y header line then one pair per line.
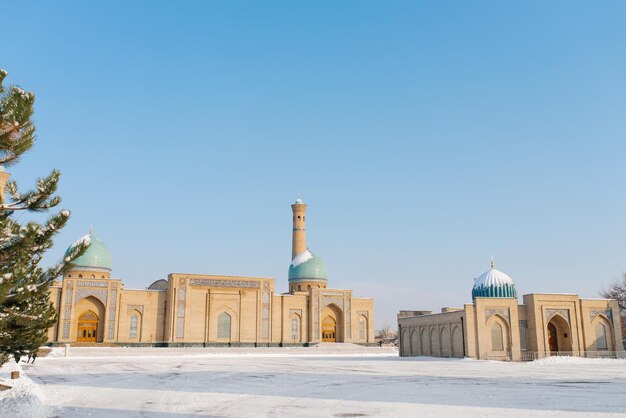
x,y
425,136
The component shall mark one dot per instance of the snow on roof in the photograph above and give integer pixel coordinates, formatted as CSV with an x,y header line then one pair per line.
x,y
301,258
493,277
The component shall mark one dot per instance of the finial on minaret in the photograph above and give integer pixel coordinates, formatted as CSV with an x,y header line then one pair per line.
x,y
492,266
90,230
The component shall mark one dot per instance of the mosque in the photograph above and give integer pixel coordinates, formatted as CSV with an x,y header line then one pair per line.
x,y
495,327
208,310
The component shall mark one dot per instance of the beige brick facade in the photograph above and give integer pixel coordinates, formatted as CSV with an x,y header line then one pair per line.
x,y
196,309
193,307
499,329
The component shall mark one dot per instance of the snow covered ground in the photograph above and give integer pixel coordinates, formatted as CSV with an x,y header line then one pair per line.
x,y
333,381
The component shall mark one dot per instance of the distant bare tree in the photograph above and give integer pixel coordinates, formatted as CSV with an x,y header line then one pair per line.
x,y
386,333
617,291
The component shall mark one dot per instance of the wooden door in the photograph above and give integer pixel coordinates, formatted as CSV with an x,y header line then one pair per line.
x,y
329,330
553,341
87,328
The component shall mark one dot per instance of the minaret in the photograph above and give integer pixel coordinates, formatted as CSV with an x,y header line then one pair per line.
x,y
298,243
4,178
306,271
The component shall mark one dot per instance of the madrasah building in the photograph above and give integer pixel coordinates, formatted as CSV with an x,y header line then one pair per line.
x,y
206,310
495,327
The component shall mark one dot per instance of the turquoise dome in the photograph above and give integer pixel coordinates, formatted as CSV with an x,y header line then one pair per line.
x,y
97,255
494,284
307,266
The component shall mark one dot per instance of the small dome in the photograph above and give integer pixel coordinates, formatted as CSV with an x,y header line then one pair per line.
x,y
160,284
307,266
97,255
299,201
494,284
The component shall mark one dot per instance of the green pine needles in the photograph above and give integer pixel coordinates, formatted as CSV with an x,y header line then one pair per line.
x,y
25,310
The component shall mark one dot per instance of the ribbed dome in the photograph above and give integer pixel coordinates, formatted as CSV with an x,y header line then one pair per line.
x,y
494,284
307,266
97,255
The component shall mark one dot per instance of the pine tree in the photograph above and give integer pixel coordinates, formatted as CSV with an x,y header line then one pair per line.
x,y
25,310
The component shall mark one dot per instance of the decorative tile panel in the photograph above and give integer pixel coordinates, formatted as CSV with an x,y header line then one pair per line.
x,y
606,312
503,312
316,316
180,312
113,297
265,312
224,283
550,313
348,319
92,284
135,308
327,300
68,295
100,294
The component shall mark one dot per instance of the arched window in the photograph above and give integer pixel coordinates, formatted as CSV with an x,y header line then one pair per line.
x,y
69,275
362,329
601,342
497,344
93,276
80,276
134,320
223,325
295,329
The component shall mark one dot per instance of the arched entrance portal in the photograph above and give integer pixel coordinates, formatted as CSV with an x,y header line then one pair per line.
x,y
559,335
329,330
87,327
332,324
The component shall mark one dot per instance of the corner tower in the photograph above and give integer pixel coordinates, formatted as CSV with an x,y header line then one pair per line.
x,y
306,270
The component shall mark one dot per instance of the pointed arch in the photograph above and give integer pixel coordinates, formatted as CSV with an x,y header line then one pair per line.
x,y
424,347
434,342
406,342
603,332
295,325
444,337
415,343
457,342
558,335
224,326
498,329
89,307
134,324
363,328
332,323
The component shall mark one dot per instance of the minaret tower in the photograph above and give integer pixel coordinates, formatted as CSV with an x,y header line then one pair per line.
x,y
307,271
298,242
